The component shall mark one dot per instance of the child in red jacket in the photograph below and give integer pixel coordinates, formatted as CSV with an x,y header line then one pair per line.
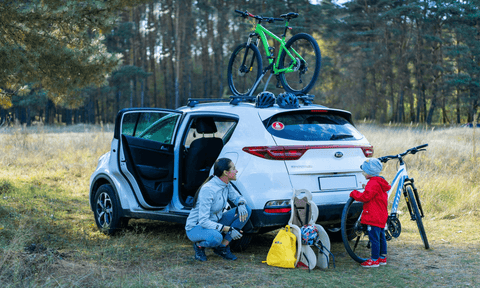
x,y
375,214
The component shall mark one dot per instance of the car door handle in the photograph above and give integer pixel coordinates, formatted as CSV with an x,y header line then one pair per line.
x,y
163,148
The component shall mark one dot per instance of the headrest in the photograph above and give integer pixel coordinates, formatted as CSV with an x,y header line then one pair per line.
x,y
205,125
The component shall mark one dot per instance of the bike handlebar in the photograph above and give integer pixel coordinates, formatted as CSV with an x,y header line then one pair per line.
x,y
413,150
259,18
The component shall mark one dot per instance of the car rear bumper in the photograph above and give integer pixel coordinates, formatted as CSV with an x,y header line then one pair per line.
x,y
329,215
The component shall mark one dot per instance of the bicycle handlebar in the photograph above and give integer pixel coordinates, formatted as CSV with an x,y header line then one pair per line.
x,y
413,150
259,18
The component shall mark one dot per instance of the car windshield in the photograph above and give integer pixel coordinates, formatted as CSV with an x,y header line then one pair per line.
x,y
311,126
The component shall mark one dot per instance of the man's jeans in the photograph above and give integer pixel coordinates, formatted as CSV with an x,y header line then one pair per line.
x,y
378,241
213,238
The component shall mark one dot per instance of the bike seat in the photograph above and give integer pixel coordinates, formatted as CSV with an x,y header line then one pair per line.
x,y
290,15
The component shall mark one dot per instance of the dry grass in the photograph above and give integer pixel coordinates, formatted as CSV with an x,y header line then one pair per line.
x,y
48,237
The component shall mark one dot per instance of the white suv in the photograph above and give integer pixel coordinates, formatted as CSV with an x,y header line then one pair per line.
x,y
159,158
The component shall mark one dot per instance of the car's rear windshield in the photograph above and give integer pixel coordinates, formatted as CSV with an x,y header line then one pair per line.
x,y
311,126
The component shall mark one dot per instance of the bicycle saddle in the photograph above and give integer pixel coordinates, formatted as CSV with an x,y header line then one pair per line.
x,y
289,15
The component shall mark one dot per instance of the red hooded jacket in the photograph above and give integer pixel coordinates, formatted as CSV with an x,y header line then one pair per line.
x,y
375,202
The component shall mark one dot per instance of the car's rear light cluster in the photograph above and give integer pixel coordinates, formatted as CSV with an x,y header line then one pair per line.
x,y
277,206
277,152
297,151
367,151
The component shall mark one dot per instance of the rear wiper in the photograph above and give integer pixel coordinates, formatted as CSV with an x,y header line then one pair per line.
x,y
340,136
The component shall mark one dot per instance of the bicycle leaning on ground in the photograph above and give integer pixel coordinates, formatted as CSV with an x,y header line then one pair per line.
x,y
355,235
297,68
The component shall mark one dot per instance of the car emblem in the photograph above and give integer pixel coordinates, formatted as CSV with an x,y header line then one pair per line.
x,y
338,154
278,125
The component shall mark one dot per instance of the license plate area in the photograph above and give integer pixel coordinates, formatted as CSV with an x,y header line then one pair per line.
x,y
335,183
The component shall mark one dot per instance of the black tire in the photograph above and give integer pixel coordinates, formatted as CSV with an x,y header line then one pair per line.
x,y
108,216
411,201
354,235
242,243
307,47
242,78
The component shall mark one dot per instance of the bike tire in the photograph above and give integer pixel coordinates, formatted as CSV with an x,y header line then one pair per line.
x,y
308,48
416,213
354,236
241,79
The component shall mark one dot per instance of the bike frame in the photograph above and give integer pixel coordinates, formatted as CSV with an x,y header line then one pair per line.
x,y
397,185
262,33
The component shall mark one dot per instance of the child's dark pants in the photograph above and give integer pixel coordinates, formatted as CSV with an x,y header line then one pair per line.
x,y
378,241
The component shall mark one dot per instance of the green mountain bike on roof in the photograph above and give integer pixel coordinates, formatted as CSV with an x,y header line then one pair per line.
x,y
297,68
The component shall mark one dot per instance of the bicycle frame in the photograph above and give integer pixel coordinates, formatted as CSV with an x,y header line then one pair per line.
x,y
262,33
397,185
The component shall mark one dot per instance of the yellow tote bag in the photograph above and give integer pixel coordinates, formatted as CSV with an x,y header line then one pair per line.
x,y
282,252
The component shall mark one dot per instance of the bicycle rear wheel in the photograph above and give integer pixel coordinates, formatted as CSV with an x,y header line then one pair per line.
x,y
302,80
244,68
354,234
415,213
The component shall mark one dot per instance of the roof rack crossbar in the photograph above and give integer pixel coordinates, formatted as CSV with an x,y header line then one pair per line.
x,y
235,100
192,102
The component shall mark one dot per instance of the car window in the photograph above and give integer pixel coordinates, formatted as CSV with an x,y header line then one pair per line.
x,y
311,126
155,126
225,127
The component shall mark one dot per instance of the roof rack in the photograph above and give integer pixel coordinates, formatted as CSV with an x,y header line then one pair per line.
x,y
306,99
235,100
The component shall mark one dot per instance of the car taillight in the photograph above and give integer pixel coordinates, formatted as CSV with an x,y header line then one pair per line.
x,y
277,206
295,152
277,210
277,152
368,151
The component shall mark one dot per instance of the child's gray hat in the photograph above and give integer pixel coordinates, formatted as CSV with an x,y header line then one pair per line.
x,y
372,167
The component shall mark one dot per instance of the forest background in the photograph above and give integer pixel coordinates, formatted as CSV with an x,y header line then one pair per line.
x,y
401,61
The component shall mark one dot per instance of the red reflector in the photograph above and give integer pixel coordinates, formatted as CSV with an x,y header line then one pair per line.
x,y
318,111
278,210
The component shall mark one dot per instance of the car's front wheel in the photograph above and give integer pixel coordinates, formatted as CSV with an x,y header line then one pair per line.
x,y
107,210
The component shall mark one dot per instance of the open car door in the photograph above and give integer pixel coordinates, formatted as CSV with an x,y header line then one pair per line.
x,y
146,157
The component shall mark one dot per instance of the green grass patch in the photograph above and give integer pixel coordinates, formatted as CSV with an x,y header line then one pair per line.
x,y
48,236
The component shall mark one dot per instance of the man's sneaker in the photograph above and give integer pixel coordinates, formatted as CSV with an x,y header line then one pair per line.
x,y
370,263
224,252
382,261
199,253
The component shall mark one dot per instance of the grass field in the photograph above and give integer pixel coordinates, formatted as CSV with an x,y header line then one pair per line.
x,y
48,236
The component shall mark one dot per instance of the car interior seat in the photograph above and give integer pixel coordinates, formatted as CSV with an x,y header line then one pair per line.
x,y
201,155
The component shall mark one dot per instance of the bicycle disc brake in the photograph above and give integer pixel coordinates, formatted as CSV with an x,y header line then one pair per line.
x,y
298,65
393,225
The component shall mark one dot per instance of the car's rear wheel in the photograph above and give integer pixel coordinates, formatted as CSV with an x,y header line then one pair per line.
x,y
107,210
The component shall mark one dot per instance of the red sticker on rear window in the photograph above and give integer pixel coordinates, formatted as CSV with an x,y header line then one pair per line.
x,y
278,125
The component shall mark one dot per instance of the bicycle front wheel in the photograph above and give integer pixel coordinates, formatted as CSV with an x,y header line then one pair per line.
x,y
415,213
244,68
354,234
307,69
